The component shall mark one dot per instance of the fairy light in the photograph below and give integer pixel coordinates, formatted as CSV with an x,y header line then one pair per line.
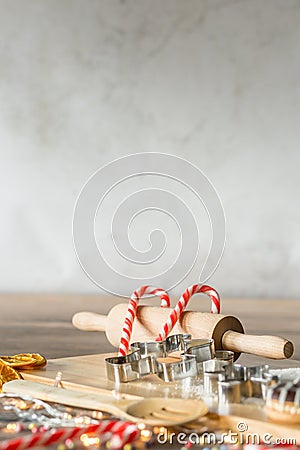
x,y
97,415
90,440
158,430
13,427
188,445
61,447
146,435
87,439
19,403
69,444
79,420
127,447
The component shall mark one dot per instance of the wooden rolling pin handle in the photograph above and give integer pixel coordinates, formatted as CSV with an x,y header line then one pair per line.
x,y
88,321
274,347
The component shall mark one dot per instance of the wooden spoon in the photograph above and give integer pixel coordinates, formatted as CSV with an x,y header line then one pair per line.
x,y
152,411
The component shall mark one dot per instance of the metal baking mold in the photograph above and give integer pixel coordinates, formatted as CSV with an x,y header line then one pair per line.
x,y
146,358
252,381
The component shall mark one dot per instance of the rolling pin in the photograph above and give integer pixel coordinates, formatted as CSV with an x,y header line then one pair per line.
x,y
227,331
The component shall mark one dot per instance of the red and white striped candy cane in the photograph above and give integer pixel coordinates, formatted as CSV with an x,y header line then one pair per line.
x,y
182,303
120,433
131,313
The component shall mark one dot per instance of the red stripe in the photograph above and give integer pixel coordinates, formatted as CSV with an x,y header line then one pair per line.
x,y
124,342
58,434
125,331
12,445
206,288
217,304
128,322
194,288
131,437
173,318
132,311
180,306
143,290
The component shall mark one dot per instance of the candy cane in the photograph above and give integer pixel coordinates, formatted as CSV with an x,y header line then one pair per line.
x,y
120,433
131,313
182,303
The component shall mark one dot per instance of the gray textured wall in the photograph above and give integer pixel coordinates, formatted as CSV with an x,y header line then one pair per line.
x,y
216,82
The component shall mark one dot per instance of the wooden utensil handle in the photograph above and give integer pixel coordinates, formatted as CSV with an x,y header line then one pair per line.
x,y
97,402
88,321
274,347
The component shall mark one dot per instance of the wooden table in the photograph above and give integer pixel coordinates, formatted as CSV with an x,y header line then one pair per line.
x,y
42,323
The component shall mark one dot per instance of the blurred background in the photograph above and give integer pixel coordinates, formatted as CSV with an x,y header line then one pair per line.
x,y
213,81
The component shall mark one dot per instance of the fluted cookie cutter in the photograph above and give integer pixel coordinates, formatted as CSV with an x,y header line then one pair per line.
x,y
147,358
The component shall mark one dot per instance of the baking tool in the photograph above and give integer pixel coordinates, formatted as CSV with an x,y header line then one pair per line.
x,y
176,342
229,392
88,374
286,374
182,304
210,382
155,358
202,349
226,356
131,313
253,381
227,331
152,411
217,365
123,369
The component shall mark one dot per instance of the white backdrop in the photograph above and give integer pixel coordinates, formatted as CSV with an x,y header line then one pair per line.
x,y
215,82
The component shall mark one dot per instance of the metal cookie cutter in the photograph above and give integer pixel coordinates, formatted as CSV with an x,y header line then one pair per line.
x,y
253,380
146,358
202,349
236,381
122,369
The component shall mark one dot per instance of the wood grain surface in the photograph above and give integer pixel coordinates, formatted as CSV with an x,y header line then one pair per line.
x,y
42,322
87,374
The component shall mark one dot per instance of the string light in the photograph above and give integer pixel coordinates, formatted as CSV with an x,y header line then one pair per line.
x,y
13,427
61,447
89,440
69,444
146,435
42,423
127,447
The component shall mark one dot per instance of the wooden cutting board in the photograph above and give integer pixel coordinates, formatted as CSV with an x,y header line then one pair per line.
x,y
87,373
